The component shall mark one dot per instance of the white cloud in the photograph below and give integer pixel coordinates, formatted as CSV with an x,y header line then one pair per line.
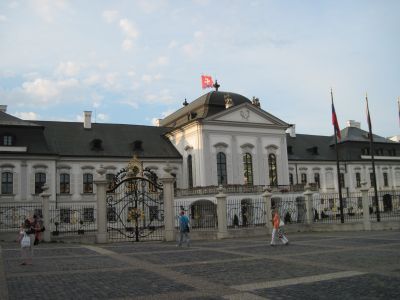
x,y
196,47
41,88
45,89
154,121
111,81
110,15
172,44
27,115
151,6
127,44
150,78
48,9
128,28
68,68
102,117
130,103
3,18
159,62
163,97
13,4
92,79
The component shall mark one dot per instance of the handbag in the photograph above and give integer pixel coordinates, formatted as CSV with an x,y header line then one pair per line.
x,y
26,241
281,223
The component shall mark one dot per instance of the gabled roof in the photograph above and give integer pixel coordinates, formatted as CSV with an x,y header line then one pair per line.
x,y
116,140
247,113
355,134
9,120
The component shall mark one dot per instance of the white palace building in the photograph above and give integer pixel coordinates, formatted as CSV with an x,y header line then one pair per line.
x,y
220,138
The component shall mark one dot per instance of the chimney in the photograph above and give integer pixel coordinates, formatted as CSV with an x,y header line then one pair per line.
x,y
3,108
87,119
352,123
292,130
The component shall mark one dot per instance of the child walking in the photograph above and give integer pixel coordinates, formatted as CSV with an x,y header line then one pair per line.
x,y
276,230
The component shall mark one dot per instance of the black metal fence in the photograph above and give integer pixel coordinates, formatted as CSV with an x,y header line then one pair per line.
x,y
73,219
13,214
245,212
202,213
389,204
326,207
291,207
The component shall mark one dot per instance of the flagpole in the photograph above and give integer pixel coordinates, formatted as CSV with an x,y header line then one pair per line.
x,y
371,149
338,169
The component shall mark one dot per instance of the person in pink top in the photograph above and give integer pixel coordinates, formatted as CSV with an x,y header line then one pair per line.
x,y
277,230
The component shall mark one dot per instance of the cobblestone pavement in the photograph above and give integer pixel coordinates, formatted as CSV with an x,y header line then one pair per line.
x,y
345,265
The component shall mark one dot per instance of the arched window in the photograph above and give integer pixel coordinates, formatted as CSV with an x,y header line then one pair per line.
x,y
221,168
273,175
248,169
190,171
40,180
64,183
7,183
87,183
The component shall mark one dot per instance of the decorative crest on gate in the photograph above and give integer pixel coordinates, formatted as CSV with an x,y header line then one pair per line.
x,y
135,167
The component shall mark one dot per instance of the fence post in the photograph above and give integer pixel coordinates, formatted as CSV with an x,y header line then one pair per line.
x,y
309,205
365,203
267,195
221,213
101,183
168,192
46,212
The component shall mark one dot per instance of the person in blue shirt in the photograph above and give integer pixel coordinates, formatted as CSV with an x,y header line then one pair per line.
x,y
183,229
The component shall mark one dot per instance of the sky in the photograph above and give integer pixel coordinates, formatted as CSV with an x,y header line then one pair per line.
x,y
133,62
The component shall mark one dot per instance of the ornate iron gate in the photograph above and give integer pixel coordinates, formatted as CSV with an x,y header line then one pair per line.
x,y
135,208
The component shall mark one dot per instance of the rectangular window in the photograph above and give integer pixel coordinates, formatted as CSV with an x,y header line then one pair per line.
x,y
372,178
110,180
291,178
385,179
65,215
7,140
87,183
7,183
316,179
40,180
358,180
88,214
303,178
64,183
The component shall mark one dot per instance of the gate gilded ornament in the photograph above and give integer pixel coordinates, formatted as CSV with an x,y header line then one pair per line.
x,y
135,208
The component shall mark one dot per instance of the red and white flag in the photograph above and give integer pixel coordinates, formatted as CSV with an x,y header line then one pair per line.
x,y
206,81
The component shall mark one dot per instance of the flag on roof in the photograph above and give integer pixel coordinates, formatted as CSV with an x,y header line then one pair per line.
x,y
335,121
206,81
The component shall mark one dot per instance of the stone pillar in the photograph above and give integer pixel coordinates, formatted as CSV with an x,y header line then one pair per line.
x,y
365,203
101,185
169,215
309,205
221,213
267,195
46,212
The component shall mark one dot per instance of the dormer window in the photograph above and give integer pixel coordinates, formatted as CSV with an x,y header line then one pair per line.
x,y
137,146
96,145
313,150
289,149
8,140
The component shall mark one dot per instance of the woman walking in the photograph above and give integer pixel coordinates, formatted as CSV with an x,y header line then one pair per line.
x,y
276,230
